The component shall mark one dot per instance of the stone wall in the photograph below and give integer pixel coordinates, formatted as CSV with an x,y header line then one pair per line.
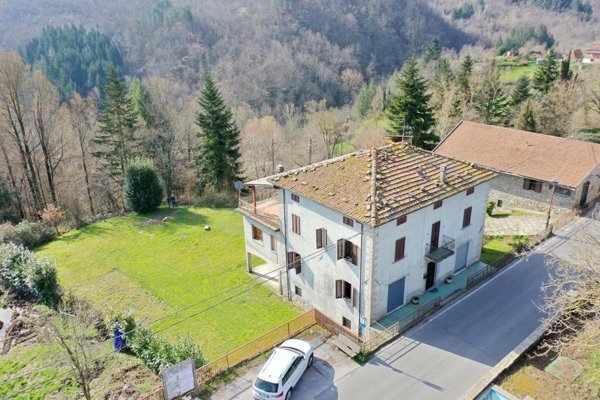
x,y
509,189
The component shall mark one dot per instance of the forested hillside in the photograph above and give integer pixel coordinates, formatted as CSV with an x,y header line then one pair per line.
x,y
269,53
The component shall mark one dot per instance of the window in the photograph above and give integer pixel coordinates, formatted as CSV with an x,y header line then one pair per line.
x,y
294,261
348,221
470,191
561,191
400,244
499,203
467,217
298,291
296,224
291,371
343,290
257,234
437,204
273,243
346,323
348,250
401,220
295,197
532,184
321,238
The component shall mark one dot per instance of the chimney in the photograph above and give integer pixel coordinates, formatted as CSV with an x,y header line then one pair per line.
x,y
443,169
279,169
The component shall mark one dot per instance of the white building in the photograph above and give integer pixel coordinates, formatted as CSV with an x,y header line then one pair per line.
x,y
363,233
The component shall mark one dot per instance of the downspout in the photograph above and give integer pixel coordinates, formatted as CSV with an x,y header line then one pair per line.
x,y
360,277
285,243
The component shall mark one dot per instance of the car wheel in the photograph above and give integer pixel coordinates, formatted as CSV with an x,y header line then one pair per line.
x,y
310,361
288,396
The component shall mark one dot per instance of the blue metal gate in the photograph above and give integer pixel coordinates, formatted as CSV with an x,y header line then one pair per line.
x,y
395,295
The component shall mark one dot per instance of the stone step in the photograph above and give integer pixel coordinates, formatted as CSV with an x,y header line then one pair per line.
x,y
347,345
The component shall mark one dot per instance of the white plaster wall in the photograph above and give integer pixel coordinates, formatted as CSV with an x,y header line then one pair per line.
x,y
417,231
263,250
320,268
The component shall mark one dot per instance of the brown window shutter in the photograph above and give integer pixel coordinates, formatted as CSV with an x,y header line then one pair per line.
x,y
298,263
526,184
319,238
324,237
354,254
340,249
338,289
538,186
354,297
467,217
290,260
400,243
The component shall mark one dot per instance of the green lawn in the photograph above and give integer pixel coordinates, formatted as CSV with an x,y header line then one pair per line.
x,y
494,247
511,72
137,263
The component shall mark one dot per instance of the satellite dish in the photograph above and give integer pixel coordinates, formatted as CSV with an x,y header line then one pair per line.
x,y
238,185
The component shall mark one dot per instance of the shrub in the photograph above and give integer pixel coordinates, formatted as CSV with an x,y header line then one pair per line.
x,y
155,351
218,200
31,234
53,216
141,187
490,207
7,231
28,277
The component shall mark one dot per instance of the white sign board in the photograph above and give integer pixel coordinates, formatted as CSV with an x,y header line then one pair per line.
x,y
179,379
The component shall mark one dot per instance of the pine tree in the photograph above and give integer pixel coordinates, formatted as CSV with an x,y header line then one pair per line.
x,y
521,91
141,101
489,98
219,153
116,134
463,78
526,119
409,110
546,73
433,51
364,99
565,68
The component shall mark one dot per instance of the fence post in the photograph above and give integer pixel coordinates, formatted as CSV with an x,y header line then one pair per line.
x,y
227,360
288,328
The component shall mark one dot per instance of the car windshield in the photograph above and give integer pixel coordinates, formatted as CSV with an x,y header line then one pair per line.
x,y
265,386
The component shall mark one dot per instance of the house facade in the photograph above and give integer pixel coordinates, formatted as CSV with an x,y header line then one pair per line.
x,y
359,235
533,169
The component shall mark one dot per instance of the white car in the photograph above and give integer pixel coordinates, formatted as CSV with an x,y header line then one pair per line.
x,y
283,370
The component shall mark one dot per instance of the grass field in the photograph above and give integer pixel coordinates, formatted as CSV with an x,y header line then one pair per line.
x,y
497,246
511,72
139,264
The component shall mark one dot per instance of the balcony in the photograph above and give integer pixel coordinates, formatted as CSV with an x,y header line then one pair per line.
x,y
261,205
437,254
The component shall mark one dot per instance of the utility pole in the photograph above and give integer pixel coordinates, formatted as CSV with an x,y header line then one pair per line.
x,y
554,183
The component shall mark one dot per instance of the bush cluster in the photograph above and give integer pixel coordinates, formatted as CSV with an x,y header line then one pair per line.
x,y
27,234
28,277
218,200
489,210
155,351
142,188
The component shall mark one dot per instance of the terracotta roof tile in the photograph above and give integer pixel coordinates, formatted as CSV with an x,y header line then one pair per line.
x,y
522,153
406,180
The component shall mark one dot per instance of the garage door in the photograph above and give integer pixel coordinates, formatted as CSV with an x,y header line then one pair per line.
x,y
395,295
462,254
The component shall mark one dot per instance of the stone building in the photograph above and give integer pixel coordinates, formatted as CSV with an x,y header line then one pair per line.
x,y
531,166
358,235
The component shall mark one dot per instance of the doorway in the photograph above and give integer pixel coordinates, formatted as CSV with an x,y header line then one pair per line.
x,y
435,235
430,277
395,295
462,255
584,194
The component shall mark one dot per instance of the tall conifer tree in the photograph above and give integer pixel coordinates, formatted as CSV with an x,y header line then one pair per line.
x,y
546,73
409,111
116,134
219,152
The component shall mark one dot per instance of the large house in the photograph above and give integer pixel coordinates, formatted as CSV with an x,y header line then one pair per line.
x,y
531,166
356,236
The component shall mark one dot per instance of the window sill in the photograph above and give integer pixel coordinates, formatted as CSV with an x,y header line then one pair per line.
x,y
400,259
262,243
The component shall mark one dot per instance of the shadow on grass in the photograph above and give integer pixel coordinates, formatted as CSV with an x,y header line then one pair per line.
x,y
489,256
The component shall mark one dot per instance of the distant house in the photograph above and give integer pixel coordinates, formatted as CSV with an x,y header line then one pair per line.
x,y
591,54
577,55
528,163
357,236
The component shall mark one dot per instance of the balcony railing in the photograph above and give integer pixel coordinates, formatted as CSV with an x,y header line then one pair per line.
x,y
263,207
439,253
